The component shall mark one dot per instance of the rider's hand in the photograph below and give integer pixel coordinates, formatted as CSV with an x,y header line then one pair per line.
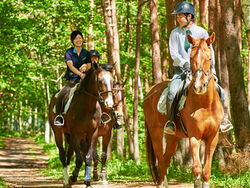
x,y
83,68
82,75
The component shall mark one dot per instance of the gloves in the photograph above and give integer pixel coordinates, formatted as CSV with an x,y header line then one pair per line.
x,y
186,66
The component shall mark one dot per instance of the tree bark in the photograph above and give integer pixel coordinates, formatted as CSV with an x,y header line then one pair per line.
x,y
90,36
203,4
171,24
109,11
240,111
136,87
155,42
246,12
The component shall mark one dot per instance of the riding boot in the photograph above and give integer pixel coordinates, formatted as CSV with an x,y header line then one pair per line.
x,y
225,125
59,120
170,127
118,120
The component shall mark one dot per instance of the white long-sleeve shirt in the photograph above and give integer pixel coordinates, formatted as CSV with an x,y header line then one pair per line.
x,y
177,45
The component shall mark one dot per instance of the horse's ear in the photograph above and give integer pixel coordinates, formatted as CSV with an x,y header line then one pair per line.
x,y
211,39
190,39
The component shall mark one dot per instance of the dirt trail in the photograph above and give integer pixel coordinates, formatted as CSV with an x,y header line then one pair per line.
x,y
22,157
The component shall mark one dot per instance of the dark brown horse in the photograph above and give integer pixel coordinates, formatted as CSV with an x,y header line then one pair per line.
x,y
105,131
202,115
82,121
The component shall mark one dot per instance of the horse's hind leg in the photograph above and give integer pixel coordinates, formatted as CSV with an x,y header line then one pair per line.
x,y
171,147
79,160
62,154
197,168
209,151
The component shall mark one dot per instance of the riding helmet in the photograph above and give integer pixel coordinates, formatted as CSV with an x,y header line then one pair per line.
x,y
184,7
94,53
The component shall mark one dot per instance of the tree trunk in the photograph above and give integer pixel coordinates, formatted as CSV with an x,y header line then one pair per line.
x,y
126,120
20,120
90,36
171,24
136,79
155,42
203,4
47,101
109,10
246,12
240,111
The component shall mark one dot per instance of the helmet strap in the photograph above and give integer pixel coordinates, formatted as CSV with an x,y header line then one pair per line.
x,y
188,21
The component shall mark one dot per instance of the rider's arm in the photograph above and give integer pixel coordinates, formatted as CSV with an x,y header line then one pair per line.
x,y
73,69
174,45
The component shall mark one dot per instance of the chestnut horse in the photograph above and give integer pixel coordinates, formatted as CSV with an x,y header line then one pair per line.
x,y
202,115
106,130
82,121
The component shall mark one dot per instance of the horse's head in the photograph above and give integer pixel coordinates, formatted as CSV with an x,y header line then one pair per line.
x,y
105,84
200,60
118,96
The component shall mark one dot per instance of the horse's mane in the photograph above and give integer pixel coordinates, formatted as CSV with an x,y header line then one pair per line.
x,y
107,67
84,82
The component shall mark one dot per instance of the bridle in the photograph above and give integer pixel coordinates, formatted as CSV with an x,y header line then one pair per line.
x,y
99,96
207,74
117,89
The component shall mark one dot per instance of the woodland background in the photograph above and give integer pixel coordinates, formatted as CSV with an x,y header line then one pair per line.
x,y
133,34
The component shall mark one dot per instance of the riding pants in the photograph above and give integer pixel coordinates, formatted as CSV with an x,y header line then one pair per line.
x,y
63,95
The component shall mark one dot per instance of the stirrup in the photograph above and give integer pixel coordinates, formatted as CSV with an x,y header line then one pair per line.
x,y
57,123
169,131
104,121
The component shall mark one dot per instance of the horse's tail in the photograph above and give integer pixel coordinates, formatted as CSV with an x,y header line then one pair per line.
x,y
151,158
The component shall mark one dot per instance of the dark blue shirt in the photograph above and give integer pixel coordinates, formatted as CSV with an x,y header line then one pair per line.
x,y
78,61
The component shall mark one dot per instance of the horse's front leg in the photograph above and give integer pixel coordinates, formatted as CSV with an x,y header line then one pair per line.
x,y
96,159
105,143
209,151
89,158
197,168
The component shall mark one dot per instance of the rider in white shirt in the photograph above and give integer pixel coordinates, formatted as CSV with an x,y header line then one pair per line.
x,y
180,53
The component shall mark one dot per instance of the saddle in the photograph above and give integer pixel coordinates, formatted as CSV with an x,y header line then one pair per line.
x,y
67,100
178,103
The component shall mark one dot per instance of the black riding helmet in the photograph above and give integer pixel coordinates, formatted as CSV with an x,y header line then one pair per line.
x,y
94,53
186,8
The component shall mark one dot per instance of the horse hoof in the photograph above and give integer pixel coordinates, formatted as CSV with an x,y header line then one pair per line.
x,y
72,180
205,185
95,178
87,183
197,183
104,182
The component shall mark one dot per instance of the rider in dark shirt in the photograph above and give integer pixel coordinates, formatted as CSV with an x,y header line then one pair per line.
x,y
77,60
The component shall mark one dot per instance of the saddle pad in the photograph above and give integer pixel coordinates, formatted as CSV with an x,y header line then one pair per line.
x,y
71,94
161,106
67,105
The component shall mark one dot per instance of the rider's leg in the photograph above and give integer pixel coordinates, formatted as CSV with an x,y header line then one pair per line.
x,y
225,125
62,95
174,87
